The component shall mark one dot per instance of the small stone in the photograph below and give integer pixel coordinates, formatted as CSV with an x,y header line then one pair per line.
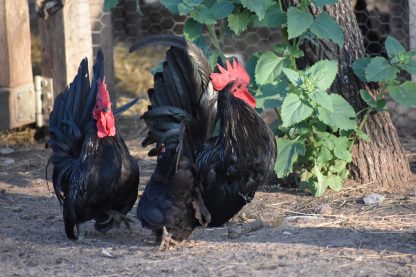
x,y
373,198
17,210
106,254
324,209
8,161
6,151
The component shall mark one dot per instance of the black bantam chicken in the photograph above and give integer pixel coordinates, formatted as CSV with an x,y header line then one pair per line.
x,y
94,175
180,120
227,169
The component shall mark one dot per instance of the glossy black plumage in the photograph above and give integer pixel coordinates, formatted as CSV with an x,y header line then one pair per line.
x,y
93,178
229,167
234,164
180,120
172,198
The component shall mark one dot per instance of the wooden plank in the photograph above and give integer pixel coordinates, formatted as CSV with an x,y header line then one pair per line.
x,y
65,40
17,99
15,59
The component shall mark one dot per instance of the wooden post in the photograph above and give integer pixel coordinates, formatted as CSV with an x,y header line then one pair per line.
x,y
17,99
65,39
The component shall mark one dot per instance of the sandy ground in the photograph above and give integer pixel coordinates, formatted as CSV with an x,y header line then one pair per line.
x,y
336,235
302,235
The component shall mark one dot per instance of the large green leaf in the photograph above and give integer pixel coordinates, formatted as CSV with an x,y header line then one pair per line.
x,y
289,151
250,66
394,47
377,104
293,76
359,66
294,110
274,18
325,27
405,94
339,165
410,66
192,29
298,21
380,70
258,7
321,3
221,9
238,22
271,96
365,95
213,58
268,68
320,185
203,15
171,5
109,4
334,182
324,155
323,73
185,7
203,43
322,98
342,148
342,115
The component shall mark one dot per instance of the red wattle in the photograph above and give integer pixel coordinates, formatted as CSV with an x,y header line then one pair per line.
x,y
105,125
246,96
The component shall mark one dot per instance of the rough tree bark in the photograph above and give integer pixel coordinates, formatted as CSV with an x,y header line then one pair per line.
x,y
382,159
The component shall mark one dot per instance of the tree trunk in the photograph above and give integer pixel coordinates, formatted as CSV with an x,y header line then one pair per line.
x,y
382,159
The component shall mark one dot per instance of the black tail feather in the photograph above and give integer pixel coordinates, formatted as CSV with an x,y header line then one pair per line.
x,y
125,107
184,85
167,40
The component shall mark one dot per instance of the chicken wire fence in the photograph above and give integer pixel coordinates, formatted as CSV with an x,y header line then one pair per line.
x,y
128,25
377,20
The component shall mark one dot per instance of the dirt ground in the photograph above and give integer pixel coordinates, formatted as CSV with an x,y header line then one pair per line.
x,y
334,235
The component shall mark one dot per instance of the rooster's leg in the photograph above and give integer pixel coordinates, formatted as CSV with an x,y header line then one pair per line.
x,y
120,217
80,231
167,240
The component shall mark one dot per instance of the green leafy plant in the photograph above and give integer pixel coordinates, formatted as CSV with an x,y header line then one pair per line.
x,y
315,132
315,129
384,71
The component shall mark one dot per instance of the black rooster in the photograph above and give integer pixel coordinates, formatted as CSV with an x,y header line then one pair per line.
x,y
94,175
241,158
180,120
229,167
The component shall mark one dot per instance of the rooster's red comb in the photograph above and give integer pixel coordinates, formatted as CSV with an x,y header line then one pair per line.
x,y
103,97
232,73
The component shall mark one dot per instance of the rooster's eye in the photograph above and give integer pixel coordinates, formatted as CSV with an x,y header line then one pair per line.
x,y
239,86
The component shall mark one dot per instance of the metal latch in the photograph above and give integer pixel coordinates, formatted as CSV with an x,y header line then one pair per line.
x,y
44,100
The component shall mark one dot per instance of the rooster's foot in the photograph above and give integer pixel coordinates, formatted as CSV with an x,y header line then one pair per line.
x,y
120,217
167,240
